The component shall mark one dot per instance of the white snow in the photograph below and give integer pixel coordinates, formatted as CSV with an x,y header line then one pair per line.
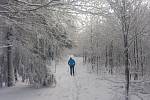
x,y
83,86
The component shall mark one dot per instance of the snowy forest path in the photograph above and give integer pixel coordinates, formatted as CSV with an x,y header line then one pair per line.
x,y
82,86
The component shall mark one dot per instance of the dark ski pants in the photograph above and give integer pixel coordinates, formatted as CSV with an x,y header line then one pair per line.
x,y
72,70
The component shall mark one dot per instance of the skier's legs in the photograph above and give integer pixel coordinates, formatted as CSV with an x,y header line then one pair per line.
x,y
73,70
70,70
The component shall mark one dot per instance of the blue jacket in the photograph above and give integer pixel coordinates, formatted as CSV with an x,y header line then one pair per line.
x,y
71,62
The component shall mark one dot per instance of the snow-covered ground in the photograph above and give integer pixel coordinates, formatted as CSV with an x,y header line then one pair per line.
x,y
83,86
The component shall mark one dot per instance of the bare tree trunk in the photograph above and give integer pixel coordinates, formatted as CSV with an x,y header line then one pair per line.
x,y
126,73
106,57
15,74
10,68
141,56
134,55
126,66
83,55
97,60
125,28
137,59
111,63
1,81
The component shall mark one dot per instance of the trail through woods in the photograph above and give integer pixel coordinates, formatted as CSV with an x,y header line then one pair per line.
x,y
83,86
111,35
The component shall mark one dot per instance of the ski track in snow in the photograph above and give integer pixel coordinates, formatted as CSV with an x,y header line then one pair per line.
x,y
83,86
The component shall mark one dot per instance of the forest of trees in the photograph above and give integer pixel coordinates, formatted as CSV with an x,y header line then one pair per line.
x,y
118,39
32,35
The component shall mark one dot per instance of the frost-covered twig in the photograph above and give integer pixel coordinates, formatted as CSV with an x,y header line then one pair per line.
x,y
6,46
28,4
45,5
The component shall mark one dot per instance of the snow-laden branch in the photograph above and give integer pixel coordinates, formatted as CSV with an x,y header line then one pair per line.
x,y
27,3
5,46
38,6
44,5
